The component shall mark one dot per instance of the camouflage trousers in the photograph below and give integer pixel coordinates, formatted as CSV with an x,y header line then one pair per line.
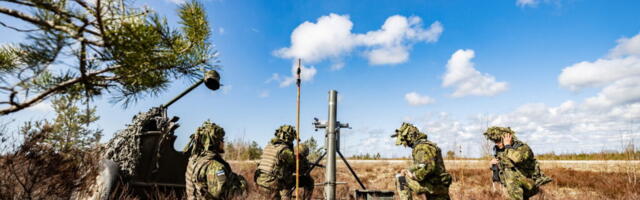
x,y
274,190
431,191
519,187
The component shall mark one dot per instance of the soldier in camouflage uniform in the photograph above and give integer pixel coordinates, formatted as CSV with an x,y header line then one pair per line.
x,y
306,181
427,175
275,172
208,176
519,172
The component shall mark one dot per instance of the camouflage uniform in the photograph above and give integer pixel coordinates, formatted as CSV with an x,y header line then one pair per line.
x,y
274,174
519,171
208,176
306,181
430,176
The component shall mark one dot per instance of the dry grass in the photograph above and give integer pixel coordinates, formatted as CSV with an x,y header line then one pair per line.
x,y
473,182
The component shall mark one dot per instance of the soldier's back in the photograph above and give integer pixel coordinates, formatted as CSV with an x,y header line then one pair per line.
x,y
202,175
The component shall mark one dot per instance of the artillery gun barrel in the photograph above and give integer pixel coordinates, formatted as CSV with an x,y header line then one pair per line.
x,y
211,79
196,84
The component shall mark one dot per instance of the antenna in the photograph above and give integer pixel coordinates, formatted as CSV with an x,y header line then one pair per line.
x,y
298,130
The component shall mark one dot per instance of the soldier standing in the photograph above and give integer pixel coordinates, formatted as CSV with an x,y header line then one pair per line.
x,y
427,175
274,174
518,170
208,176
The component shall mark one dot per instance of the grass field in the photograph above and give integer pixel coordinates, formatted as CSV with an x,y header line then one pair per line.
x,y
583,180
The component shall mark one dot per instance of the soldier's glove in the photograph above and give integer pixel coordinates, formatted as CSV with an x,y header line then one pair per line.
x,y
401,182
496,173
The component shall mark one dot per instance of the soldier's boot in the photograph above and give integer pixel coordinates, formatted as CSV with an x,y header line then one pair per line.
x,y
402,188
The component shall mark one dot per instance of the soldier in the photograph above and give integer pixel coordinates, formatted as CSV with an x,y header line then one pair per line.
x,y
306,181
274,174
427,175
518,170
208,176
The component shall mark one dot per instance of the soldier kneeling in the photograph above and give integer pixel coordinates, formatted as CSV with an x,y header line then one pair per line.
x,y
274,174
427,175
518,170
208,176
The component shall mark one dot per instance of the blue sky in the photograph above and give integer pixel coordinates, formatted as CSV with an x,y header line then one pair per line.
x,y
564,74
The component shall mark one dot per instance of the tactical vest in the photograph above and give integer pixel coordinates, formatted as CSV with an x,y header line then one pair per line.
x,y
269,158
196,186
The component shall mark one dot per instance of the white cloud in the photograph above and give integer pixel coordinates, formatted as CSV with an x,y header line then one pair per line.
x,y
524,3
274,77
388,55
606,121
624,91
626,47
391,44
415,99
599,73
331,38
221,31
618,74
306,74
462,75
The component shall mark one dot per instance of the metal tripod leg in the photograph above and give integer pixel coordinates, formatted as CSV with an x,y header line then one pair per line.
x,y
351,170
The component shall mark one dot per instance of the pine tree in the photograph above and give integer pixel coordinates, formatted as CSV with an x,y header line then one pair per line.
x,y
71,126
93,47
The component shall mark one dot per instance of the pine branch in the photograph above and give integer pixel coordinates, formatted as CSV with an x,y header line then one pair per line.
x,y
17,29
49,24
60,86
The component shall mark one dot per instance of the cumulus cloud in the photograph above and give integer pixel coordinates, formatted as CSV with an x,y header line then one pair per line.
x,y
466,80
626,47
599,73
606,121
415,99
306,74
618,74
331,38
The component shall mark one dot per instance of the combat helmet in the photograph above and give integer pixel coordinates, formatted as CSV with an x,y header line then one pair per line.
x,y
208,137
285,133
408,134
495,133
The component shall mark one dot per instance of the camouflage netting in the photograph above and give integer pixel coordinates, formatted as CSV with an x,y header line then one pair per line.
x,y
124,148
